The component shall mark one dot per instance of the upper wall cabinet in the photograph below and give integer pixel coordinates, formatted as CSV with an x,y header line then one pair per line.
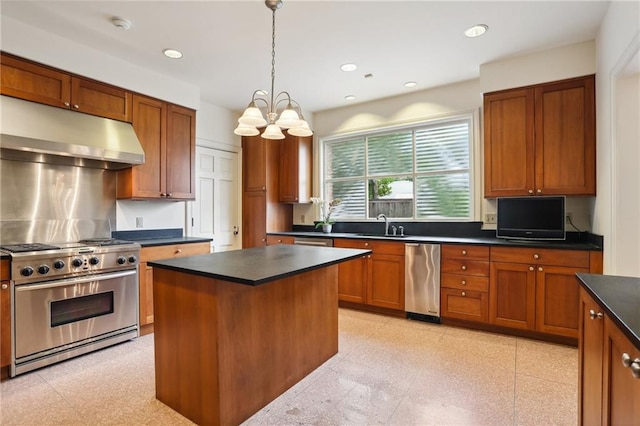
x,y
540,140
167,135
295,169
33,82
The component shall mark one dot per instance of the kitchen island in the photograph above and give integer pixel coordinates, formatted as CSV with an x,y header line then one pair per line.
x,y
234,330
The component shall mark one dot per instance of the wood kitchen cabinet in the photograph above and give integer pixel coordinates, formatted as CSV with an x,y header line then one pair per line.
x,y
279,239
536,289
295,169
261,210
167,135
540,140
145,275
376,279
5,314
42,84
590,352
464,282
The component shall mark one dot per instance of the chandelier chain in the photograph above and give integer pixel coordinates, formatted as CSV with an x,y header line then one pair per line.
x,y
273,55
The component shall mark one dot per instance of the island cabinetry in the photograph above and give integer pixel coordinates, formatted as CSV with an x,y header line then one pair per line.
x,y
536,289
533,133
5,315
167,135
590,354
38,83
145,275
376,279
279,239
261,210
295,169
464,282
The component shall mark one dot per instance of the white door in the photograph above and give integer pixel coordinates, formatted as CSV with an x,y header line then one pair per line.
x,y
215,211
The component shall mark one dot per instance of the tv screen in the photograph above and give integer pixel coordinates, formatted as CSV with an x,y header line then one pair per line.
x,y
531,218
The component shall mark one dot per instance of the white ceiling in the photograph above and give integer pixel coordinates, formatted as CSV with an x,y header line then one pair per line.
x,y
227,44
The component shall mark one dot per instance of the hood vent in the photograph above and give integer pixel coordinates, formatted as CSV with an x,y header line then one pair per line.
x,y
45,134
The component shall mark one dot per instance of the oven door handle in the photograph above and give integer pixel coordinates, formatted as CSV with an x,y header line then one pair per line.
x,y
72,281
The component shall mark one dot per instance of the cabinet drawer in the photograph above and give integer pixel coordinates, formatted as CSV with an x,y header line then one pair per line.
x,y
576,258
465,282
279,239
465,267
378,247
465,252
463,304
148,254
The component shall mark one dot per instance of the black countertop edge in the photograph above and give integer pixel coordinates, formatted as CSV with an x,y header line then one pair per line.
x,y
493,241
259,259
5,256
620,298
158,237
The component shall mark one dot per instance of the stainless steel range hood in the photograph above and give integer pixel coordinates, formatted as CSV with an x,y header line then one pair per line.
x,y
45,134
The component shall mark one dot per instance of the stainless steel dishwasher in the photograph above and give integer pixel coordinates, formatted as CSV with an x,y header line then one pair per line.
x,y
318,242
422,282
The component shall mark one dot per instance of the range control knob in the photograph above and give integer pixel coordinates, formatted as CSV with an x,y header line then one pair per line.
x,y
43,269
58,264
77,262
121,260
94,260
27,272
132,259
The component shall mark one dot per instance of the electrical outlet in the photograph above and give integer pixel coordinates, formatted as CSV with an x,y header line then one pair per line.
x,y
568,218
139,223
490,218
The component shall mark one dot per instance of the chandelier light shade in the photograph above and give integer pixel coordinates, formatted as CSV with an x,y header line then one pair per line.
x,y
290,117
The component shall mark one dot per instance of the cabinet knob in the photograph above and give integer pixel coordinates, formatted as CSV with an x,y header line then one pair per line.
x,y
463,267
369,256
366,244
531,268
76,106
67,104
178,251
464,252
4,286
626,360
593,314
635,369
531,191
463,282
463,294
169,194
264,188
540,269
539,191
279,241
536,256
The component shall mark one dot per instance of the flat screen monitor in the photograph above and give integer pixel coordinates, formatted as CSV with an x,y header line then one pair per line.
x,y
531,218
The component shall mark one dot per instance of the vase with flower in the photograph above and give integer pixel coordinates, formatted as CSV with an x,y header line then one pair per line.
x,y
326,209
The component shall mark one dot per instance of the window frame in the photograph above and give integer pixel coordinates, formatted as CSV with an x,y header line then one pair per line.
x,y
475,193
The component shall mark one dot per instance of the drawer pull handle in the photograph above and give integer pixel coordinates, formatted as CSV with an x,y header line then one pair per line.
x,y
531,268
464,252
540,268
464,294
67,104
366,244
178,251
463,267
4,286
76,106
463,282
593,314
536,256
635,369
626,360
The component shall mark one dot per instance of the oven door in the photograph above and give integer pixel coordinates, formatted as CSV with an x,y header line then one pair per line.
x,y
58,313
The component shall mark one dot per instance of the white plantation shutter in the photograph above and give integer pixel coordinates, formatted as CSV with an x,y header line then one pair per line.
x,y
434,156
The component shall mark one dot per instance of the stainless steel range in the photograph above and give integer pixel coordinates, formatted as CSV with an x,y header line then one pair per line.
x,y
72,298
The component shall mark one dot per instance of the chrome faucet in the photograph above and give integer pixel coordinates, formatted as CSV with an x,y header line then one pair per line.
x,y
386,223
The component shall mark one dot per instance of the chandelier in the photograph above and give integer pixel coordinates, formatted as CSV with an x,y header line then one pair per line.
x,y
290,118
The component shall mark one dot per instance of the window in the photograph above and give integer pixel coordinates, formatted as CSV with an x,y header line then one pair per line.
x,y
420,172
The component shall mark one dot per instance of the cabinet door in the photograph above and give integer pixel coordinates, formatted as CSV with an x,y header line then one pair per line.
x,y
557,300
621,391
180,153
146,180
295,170
254,219
5,323
352,280
464,304
386,281
512,292
145,301
100,99
590,358
565,137
508,143
254,163
25,80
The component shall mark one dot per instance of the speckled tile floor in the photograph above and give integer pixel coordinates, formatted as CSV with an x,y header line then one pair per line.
x,y
388,371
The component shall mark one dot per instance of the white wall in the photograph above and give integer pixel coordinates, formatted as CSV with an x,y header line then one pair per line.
x,y
616,44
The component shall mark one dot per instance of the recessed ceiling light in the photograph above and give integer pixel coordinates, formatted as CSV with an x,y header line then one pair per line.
x,y
350,98
410,84
476,30
348,67
172,53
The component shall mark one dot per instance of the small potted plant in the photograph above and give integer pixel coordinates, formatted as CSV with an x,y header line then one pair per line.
x,y
326,209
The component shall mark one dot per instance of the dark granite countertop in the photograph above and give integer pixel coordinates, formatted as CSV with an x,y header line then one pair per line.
x,y
259,265
565,245
620,299
158,237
